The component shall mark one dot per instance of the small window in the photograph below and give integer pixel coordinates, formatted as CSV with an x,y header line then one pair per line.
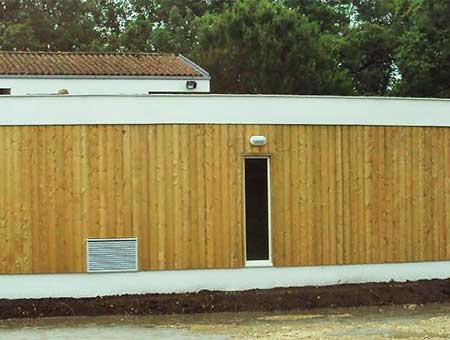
x,y
257,215
4,91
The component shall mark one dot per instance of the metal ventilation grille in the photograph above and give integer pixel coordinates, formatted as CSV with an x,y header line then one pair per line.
x,y
111,255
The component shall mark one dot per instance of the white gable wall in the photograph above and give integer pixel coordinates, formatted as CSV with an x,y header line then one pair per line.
x,y
100,86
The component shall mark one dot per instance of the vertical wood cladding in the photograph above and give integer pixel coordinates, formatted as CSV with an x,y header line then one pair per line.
x,y
339,194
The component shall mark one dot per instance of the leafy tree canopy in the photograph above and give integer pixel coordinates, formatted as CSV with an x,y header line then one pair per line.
x,y
362,47
423,54
55,25
265,47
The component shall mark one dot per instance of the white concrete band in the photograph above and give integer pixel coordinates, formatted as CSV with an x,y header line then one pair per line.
x,y
222,109
181,281
35,85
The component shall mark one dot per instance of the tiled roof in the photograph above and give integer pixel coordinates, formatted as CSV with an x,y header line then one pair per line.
x,y
96,64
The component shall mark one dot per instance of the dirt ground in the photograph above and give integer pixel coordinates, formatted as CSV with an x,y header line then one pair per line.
x,y
430,321
280,299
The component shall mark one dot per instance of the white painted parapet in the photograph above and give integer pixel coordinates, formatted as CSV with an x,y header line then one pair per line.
x,y
222,109
182,281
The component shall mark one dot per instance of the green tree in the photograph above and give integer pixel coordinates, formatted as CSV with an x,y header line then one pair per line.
x,y
266,47
365,47
140,18
163,25
367,51
110,17
380,12
423,53
368,44
332,16
65,25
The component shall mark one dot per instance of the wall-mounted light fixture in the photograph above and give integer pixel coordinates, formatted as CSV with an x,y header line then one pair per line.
x,y
258,140
191,84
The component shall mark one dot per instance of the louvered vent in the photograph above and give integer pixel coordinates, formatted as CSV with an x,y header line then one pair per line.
x,y
112,255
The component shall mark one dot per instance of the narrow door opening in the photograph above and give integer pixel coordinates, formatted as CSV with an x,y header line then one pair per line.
x,y
257,211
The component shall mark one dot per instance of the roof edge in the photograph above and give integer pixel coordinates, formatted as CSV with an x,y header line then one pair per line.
x,y
195,66
99,77
232,95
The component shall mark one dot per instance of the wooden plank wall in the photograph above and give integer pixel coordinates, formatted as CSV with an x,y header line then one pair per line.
x,y
340,195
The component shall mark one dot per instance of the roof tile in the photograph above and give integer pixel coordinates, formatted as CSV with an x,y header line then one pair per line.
x,y
94,64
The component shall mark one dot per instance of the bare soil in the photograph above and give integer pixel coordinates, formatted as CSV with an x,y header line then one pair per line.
x,y
278,299
431,321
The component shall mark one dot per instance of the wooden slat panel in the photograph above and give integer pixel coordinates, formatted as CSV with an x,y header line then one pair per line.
x,y
226,214
407,214
93,183
168,157
52,192
309,213
340,195
4,230
83,164
350,246
339,201
297,227
381,212
150,248
440,191
370,232
65,222
237,144
329,193
25,190
427,198
160,215
41,231
202,209
287,197
446,189
140,188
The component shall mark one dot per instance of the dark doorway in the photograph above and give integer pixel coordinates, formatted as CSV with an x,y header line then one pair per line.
x,y
257,209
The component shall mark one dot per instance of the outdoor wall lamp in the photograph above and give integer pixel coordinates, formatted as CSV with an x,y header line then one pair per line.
x,y
191,84
258,140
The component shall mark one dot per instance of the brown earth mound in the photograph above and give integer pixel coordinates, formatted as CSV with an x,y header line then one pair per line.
x,y
370,294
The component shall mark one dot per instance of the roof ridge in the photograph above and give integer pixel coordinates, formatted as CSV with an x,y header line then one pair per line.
x,y
91,53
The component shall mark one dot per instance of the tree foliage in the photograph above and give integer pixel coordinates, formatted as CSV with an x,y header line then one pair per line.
x,y
360,47
423,55
262,47
65,25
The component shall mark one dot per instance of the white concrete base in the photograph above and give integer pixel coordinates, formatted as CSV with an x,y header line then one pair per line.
x,y
181,281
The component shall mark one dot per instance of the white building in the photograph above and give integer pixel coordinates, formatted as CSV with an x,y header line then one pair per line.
x,y
85,73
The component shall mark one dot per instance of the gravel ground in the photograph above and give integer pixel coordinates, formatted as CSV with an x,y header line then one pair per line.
x,y
430,321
